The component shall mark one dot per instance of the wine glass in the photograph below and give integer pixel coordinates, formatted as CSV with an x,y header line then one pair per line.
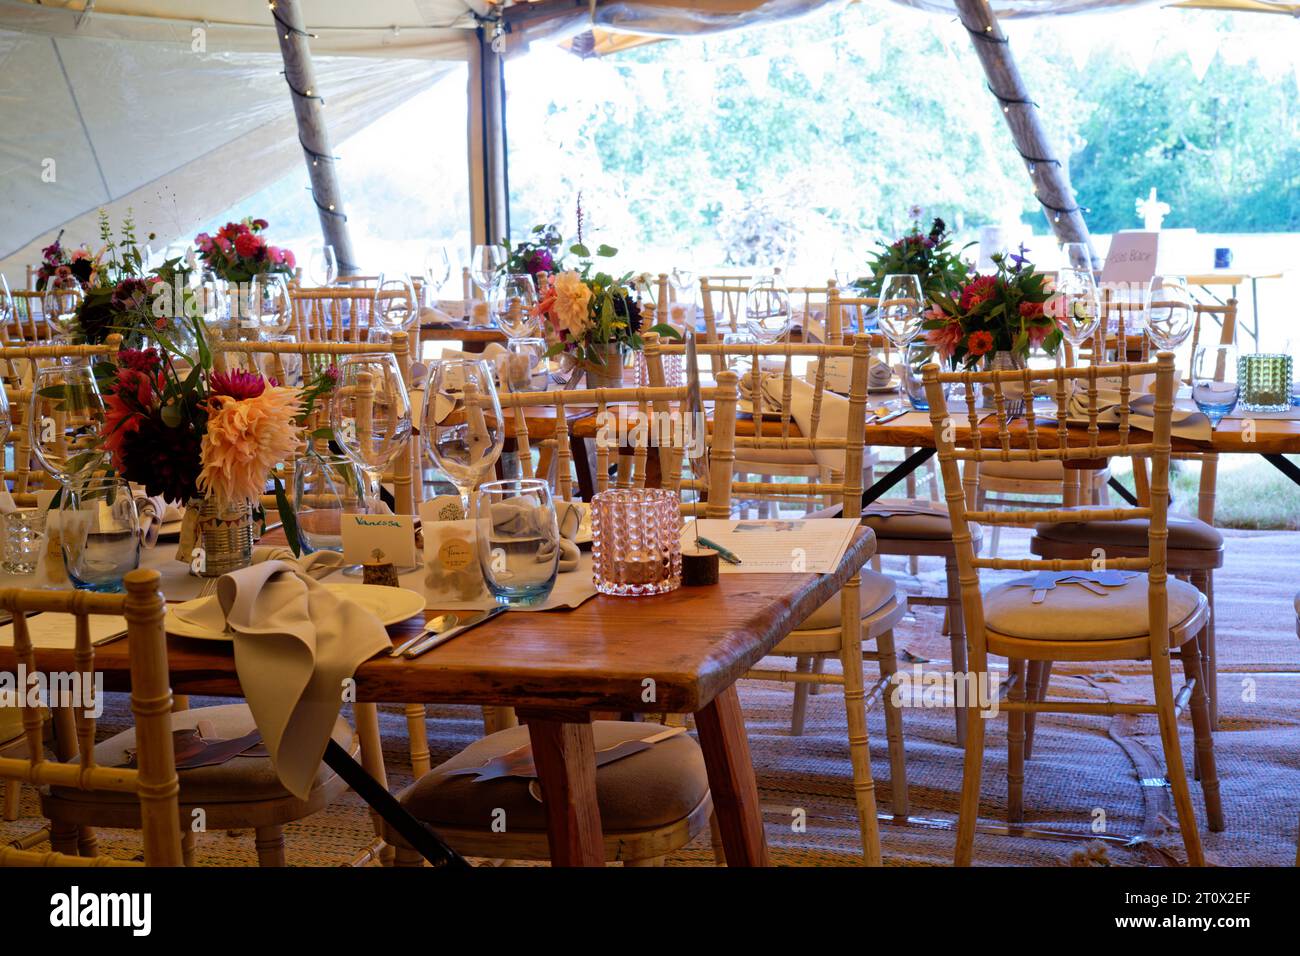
x,y
767,308
513,298
325,488
65,420
486,262
1215,388
59,307
462,424
370,413
901,310
1169,312
1076,306
322,265
395,307
437,270
264,305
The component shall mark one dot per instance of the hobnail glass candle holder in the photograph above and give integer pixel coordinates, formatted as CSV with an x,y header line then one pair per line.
x,y
1265,381
636,541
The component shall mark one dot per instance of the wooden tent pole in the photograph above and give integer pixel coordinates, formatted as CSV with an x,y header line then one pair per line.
x,y
312,131
487,137
1048,173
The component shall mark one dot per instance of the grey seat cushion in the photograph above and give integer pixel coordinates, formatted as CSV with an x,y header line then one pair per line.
x,y
874,591
933,525
649,789
238,780
1048,470
1185,534
1073,613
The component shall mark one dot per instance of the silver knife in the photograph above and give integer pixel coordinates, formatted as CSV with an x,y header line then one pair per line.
x,y
445,636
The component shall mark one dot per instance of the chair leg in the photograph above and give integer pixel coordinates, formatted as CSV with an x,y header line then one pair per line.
x,y
855,713
188,841
1175,770
818,665
1202,729
649,861
1209,653
956,639
972,766
1016,745
13,794
418,740
1040,673
802,665
270,846
893,726
63,838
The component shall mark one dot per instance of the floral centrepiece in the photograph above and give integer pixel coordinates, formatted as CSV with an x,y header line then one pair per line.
x,y
928,256
183,433
64,269
239,252
588,312
1003,312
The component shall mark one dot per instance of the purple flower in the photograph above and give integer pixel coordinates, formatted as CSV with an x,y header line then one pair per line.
x,y
237,384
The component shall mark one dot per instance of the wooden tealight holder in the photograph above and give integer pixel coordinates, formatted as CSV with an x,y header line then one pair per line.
x,y
699,566
379,571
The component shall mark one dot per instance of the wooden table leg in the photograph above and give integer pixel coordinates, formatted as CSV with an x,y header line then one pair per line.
x,y
565,754
721,726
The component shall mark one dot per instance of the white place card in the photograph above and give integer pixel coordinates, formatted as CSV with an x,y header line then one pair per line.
x,y
1131,258
394,535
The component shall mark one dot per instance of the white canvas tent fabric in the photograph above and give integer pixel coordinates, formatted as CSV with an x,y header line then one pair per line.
x,y
131,111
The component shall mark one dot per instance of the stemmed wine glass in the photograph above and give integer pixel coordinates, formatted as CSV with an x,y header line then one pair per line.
x,y
59,307
1215,388
1169,312
1077,304
462,424
264,304
370,413
513,297
65,419
901,310
486,263
767,308
395,307
437,270
322,265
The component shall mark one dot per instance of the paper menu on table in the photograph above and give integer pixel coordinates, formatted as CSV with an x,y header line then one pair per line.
x,y
60,630
790,546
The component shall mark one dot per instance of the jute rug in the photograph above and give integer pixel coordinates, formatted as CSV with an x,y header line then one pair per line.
x,y
1084,802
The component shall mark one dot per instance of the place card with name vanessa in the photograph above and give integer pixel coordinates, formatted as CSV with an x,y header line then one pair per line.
x,y
394,535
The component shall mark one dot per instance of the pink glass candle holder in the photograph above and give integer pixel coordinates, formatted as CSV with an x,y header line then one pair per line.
x,y
636,541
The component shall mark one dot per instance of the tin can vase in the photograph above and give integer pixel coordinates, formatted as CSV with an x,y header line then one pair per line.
x,y
608,371
225,533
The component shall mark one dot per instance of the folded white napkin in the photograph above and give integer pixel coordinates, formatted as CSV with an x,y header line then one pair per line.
x,y
317,564
887,507
523,517
1187,420
295,645
832,423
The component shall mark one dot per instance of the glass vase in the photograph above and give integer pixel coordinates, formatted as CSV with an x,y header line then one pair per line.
x,y
607,372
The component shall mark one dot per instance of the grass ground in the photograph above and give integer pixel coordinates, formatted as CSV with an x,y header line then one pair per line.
x,y
1251,493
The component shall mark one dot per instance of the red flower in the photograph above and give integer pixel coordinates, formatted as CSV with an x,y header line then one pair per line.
x,y
979,290
238,384
980,343
1031,310
945,339
1038,334
141,360
248,245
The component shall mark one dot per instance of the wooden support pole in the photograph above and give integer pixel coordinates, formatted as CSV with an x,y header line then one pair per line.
x,y
1047,171
312,132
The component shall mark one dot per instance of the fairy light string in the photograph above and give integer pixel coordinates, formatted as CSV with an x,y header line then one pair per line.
x,y
288,31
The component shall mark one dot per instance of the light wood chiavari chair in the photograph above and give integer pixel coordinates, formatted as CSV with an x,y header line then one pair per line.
x,y
145,792
1148,617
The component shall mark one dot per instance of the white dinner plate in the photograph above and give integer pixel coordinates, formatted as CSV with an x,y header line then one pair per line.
x,y
390,605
